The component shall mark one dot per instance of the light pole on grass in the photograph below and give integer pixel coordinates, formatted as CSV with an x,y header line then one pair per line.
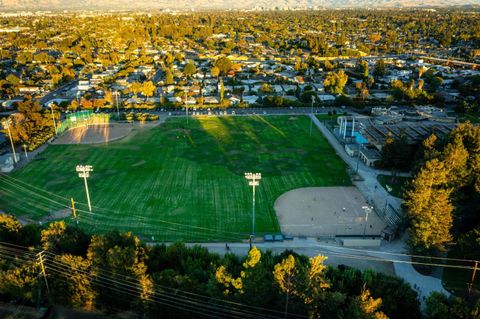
x,y
84,172
25,149
53,118
311,120
367,210
254,181
6,125
116,93
186,107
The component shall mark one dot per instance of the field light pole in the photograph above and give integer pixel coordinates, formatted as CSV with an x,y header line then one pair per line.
x,y
53,118
254,180
25,149
367,210
311,120
6,125
186,107
116,93
84,172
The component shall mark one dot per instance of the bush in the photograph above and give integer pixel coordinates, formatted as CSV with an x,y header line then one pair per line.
x,y
142,117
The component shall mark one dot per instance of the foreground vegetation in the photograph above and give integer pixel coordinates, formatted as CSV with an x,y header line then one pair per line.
x,y
115,273
120,276
181,180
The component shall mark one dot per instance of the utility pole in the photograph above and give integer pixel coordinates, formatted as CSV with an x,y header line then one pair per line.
x,y
42,267
74,212
254,180
53,118
6,124
473,277
367,210
84,172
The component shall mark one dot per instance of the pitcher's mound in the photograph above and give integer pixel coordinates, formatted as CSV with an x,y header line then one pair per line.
x,y
95,134
325,211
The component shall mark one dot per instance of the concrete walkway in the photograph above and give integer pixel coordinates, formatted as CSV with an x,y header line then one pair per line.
x,y
389,259
376,194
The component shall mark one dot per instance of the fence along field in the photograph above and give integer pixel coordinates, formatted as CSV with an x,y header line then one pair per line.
x,y
179,181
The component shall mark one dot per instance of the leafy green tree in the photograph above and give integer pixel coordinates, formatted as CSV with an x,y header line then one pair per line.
x,y
335,82
13,79
439,306
224,65
19,282
9,228
71,284
62,239
190,69
266,88
117,256
367,307
222,91
169,77
397,152
306,282
430,208
148,88
215,71
379,69
362,68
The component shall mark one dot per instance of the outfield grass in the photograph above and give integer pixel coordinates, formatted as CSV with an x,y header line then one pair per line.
x,y
176,183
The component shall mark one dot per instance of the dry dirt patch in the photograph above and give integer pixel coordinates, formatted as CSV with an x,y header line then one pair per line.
x,y
325,211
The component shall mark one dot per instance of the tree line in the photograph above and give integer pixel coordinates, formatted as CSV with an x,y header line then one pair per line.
x,y
115,273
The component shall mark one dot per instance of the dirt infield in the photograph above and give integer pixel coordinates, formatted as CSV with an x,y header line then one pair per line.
x,y
325,211
101,133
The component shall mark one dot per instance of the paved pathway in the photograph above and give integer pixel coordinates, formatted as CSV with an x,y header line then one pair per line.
x,y
389,259
369,175
425,284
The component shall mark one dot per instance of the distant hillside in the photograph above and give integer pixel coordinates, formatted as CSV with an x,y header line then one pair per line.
x,y
224,4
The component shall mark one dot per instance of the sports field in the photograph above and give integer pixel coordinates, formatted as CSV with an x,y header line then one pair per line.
x,y
179,181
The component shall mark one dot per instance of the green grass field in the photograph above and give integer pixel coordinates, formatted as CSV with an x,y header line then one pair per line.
x,y
398,184
176,183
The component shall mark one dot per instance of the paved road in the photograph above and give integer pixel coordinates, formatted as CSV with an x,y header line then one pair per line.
x,y
56,93
390,259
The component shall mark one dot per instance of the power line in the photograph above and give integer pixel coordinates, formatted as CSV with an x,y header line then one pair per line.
x,y
135,288
135,215
134,281
198,228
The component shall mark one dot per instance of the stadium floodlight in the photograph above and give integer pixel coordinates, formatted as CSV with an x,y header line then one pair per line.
x,y
116,94
311,119
53,118
6,125
367,210
186,106
254,181
84,172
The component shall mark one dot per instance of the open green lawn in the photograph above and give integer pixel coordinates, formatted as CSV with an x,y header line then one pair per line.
x,y
398,184
180,184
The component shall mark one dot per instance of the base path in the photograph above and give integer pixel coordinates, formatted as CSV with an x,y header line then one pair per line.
x,y
325,212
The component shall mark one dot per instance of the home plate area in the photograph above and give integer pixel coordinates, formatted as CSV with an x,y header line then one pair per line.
x,y
326,212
